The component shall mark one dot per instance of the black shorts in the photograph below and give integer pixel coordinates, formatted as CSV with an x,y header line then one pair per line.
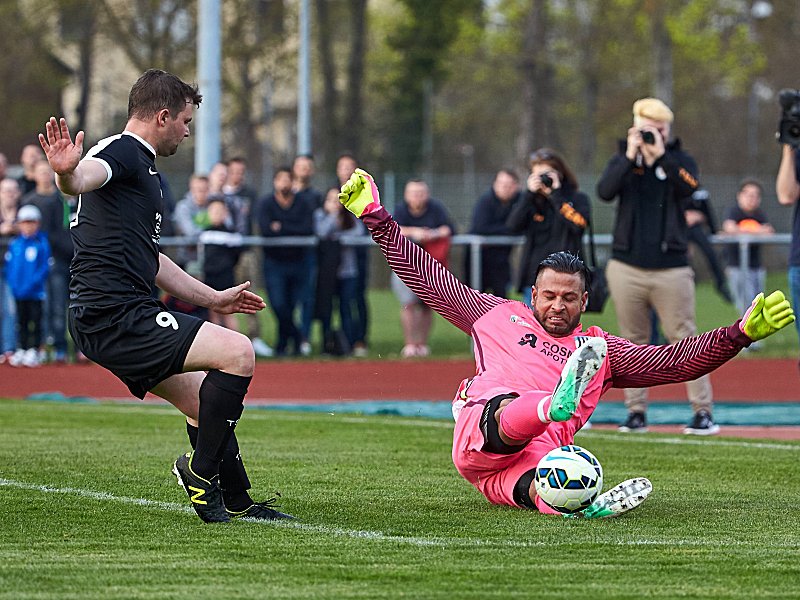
x,y
140,341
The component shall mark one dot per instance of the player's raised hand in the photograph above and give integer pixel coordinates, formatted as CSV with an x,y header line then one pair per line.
x,y
766,316
62,154
238,299
359,194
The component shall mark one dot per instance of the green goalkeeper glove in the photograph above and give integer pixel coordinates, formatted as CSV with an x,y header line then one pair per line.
x,y
360,194
766,316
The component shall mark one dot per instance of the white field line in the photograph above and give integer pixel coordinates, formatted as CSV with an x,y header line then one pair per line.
x,y
635,438
262,415
370,535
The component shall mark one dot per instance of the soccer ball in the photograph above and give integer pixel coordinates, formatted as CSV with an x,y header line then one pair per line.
x,y
568,478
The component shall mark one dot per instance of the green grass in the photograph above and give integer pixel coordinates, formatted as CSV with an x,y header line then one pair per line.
x,y
382,514
386,338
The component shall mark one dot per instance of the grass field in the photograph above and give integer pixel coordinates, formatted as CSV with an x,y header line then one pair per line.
x,y
90,510
386,337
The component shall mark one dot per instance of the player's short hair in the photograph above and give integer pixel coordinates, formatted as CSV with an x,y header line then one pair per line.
x,y
564,262
156,90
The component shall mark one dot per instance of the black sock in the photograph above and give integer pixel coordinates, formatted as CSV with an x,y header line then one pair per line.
x,y
233,477
221,396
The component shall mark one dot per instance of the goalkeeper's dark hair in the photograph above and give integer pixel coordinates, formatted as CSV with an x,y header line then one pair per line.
x,y
564,262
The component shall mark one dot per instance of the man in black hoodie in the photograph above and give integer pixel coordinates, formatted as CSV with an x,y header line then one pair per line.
x,y
649,267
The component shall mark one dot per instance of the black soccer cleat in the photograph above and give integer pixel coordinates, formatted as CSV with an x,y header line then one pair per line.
x,y
260,510
205,495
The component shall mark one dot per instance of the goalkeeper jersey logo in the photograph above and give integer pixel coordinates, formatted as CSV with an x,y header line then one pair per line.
x,y
528,340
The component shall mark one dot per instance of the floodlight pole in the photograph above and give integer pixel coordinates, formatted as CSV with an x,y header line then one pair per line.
x,y
209,67
304,81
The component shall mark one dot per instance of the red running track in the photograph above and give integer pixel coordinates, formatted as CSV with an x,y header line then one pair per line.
x,y
741,380
750,380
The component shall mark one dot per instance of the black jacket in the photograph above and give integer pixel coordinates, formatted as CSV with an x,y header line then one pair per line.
x,y
650,228
550,225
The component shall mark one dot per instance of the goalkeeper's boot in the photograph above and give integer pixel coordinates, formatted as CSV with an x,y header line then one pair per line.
x,y
264,511
584,364
205,495
620,499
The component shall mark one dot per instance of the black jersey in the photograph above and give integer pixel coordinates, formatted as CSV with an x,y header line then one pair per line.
x,y
117,227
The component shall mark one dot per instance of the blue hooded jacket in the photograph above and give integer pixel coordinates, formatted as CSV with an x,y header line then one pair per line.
x,y
27,266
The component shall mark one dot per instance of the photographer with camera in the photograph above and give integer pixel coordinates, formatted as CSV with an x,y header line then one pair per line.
x,y
787,183
551,213
649,269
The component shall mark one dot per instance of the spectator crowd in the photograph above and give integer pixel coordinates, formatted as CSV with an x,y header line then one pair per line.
x,y
660,208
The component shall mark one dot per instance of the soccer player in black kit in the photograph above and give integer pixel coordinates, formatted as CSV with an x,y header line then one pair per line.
x,y
202,369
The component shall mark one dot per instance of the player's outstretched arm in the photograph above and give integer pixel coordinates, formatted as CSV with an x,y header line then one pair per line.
x,y
766,316
635,365
177,282
424,275
64,156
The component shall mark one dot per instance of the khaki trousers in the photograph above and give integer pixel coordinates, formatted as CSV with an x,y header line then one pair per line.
x,y
670,292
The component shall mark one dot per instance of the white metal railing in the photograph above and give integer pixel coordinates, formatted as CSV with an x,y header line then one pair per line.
x,y
476,242
473,242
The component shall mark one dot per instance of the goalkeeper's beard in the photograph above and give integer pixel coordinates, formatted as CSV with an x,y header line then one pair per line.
x,y
558,330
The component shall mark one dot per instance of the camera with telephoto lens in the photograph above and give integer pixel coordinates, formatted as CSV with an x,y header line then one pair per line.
x,y
789,127
648,137
546,180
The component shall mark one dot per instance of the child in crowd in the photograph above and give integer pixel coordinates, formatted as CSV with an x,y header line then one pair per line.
x,y
221,250
26,270
746,216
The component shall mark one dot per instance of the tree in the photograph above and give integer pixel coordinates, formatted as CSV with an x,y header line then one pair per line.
x,y
31,79
420,40
341,112
152,33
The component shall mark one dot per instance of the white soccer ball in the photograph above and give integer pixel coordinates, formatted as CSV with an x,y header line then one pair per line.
x,y
568,478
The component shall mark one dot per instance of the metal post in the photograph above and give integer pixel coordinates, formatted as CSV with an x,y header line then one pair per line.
x,y
304,81
744,262
209,66
475,264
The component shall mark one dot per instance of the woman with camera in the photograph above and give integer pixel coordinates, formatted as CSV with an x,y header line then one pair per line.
x,y
551,213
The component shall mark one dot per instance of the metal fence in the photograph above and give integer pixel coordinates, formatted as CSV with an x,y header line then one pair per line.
x,y
474,243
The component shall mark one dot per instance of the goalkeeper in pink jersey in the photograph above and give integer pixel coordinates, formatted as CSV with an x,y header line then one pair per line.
x,y
539,375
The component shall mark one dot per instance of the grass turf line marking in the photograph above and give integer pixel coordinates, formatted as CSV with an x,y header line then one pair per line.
x,y
682,441
439,424
422,422
365,534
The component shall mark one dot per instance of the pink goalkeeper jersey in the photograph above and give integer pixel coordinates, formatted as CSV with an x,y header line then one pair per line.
x,y
513,353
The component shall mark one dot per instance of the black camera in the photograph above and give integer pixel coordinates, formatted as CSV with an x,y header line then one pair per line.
x,y
648,137
546,180
789,127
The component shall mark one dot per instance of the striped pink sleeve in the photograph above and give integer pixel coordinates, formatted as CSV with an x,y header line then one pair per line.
x,y
634,366
426,277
